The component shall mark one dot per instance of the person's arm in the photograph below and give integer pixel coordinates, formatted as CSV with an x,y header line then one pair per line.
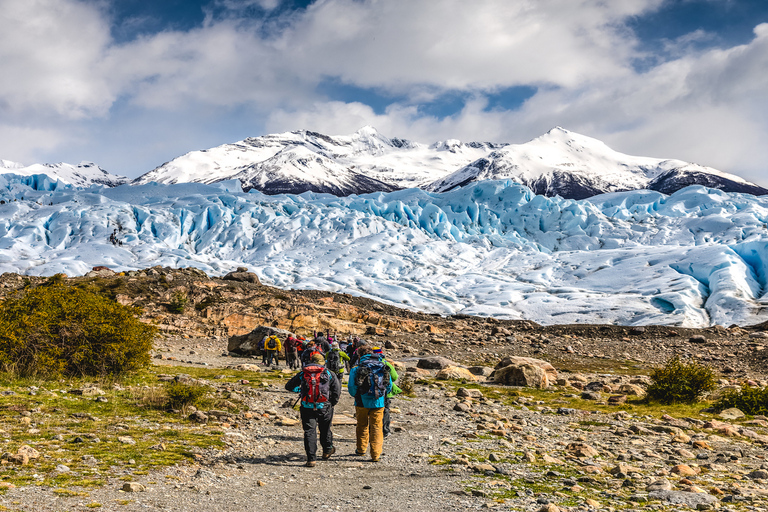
x,y
294,385
335,386
351,384
343,355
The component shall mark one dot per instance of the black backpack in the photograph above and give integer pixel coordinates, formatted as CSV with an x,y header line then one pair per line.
x,y
333,361
272,343
372,378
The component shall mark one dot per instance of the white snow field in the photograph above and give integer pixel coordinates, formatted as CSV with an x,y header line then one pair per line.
x,y
695,258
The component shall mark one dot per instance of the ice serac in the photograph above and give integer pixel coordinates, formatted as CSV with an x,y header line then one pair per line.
x,y
697,257
574,166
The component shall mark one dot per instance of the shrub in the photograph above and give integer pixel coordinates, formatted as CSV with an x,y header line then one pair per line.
x,y
748,400
56,330
681,382
178,301
181,395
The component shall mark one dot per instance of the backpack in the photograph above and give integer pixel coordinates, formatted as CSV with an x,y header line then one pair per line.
x,y
271,343
333,361
372,378
315,384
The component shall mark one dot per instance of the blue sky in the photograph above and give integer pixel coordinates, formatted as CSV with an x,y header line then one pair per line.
x,y
130,84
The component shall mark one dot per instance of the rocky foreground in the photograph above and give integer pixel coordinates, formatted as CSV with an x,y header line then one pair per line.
x,y
583,441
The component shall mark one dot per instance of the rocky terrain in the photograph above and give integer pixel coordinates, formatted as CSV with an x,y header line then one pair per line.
x,y
582,440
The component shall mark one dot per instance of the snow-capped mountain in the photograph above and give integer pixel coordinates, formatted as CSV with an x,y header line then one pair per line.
x,y
574,166
84,174
300,161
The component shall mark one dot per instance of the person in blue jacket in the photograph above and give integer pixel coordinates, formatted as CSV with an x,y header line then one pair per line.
x,y
369,409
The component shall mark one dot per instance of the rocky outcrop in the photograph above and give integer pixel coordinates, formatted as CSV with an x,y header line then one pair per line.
x,y
248,344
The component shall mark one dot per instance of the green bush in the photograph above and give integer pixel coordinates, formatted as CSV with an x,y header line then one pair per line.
x,y
748,400
681,382
180,394
178,302
56,330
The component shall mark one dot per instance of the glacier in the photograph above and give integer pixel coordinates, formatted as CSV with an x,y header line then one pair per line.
x,y
493,248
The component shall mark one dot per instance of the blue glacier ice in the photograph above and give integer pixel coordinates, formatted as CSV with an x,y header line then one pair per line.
x,y
695,258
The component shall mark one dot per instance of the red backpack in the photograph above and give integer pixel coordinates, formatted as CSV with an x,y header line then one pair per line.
x,y
315,385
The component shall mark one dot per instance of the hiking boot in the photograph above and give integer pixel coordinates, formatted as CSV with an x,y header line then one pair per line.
x,y
359,454
310,464
327,455
374,459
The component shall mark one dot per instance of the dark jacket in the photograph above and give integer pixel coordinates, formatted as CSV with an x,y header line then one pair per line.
x,y
294,386
322,343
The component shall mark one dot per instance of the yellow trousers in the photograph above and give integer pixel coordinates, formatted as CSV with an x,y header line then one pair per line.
x,y
369,429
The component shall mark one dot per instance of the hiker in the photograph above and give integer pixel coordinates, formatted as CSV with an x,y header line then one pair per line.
x,y
272,348
320,392
309,350
263,351
322,342
355,357
336,359
369,382
395,391
291,352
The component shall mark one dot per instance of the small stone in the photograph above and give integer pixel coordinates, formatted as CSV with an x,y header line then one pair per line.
x,y
133,487
684,470
61,468
126,440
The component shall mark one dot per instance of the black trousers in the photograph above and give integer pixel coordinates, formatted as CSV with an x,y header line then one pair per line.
x,y
311,420
387,403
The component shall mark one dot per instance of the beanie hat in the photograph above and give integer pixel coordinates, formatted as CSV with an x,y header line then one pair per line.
x,y
317,359
377,350
335,344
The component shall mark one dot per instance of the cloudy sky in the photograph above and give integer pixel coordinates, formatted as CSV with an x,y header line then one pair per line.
x,y
130,84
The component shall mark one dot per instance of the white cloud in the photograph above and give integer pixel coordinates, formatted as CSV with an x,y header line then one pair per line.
x,y
51,53
61,64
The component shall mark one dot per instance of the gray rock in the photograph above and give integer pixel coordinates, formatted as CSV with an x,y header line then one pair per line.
x,y
133,487
659,485
731,414
242,276
759,474
690,499
435,363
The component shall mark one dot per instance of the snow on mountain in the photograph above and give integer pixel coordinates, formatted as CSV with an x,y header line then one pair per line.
x,y
296,162
575,166
84,174
695,258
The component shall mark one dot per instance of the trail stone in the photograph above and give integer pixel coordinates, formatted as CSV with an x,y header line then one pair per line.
x,y
133,487
690,499
731,414
27,450
544,365
581,450
525,374
659,485
455,373
434,363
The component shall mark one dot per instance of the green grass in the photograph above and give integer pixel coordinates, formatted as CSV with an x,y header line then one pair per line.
x,y
130,411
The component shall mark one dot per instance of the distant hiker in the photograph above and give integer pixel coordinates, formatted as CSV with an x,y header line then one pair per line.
x,y
272,348
369,382
354,358
320,392
292,352
310,349
321,342
263,351
335,360
395,391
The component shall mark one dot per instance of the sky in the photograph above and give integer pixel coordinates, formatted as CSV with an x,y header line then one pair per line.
x,y
131,84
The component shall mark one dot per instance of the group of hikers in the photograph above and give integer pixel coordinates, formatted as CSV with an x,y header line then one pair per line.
x,y
322,362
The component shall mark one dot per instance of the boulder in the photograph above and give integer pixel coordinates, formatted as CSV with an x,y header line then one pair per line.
x,y
544,365
455,373
481,371
631,390
525,374
243,276
248,344
434,363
